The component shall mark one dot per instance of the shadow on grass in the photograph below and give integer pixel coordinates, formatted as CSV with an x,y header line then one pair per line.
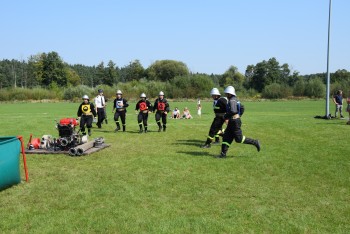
x,y
144,133
205,154
120,131
101,130
337,122
195,153
189,142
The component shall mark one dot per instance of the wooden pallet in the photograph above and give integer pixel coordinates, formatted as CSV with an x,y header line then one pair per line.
x,y
87,152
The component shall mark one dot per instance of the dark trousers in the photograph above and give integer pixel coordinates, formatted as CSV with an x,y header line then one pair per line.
x,y
233,132
142,118
161,115
85,120
120,114
101,115
216,126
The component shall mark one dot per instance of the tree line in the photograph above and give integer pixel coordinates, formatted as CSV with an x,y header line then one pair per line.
x,y
267,79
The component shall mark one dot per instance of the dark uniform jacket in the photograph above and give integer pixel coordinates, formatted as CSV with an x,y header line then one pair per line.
x,y
143,106
118,101
220,106
86,109
161,105
234,107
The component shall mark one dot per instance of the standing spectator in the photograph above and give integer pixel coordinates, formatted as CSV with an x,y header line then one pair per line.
x,y
338,101
161,107
199,110
100,105
86,112
219,106
119,109
144,106
233,118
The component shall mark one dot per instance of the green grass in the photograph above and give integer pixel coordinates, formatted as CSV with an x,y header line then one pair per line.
x,y
164,183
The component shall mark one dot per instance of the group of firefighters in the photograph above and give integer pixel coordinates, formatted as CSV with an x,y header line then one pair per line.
x,y
87,111
227,110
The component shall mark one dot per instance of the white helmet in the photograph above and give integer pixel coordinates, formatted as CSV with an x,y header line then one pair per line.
x,y
215,91
143,95
119,92
230,90
161,93
86,97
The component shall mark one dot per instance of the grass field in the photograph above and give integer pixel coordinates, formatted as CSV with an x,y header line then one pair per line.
x,y
164,183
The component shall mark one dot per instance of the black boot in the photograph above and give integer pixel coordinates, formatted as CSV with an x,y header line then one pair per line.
x,y
140,131
256,143
206,144
89,131
146,129
217,141
118,127
164,127
224,149
123,128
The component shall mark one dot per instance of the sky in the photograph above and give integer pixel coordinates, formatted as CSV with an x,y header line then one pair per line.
x,y
208,36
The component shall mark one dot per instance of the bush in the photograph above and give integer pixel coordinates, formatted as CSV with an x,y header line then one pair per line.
x,y
4,95
315,88
23,94
40,93
299,88
76,93
342,85
193,86
275,91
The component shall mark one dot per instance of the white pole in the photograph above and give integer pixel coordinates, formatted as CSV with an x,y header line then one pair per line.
x,y
328,75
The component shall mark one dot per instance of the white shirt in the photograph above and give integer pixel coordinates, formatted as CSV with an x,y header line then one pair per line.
x,y
100,101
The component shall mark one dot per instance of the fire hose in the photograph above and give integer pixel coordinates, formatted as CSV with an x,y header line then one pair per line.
x,y
79,150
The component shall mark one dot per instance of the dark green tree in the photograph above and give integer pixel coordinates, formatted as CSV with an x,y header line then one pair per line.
x,y
53,70
101,74
86,74
259,77
166,70
112,74
267,72
73,77
133,71
341,75
233,77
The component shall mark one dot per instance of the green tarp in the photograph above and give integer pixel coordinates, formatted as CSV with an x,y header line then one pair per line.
x,y
9,161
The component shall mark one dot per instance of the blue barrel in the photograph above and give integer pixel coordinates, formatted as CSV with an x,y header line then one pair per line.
x,y
10,148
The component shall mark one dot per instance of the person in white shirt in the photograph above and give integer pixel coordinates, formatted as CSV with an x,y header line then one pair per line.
x,y
100,105
176,113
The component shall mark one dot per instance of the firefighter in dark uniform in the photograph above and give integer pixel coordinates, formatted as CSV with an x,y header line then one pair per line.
x,y
219,107
86,113
161,107
119,109
232,117
144,106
